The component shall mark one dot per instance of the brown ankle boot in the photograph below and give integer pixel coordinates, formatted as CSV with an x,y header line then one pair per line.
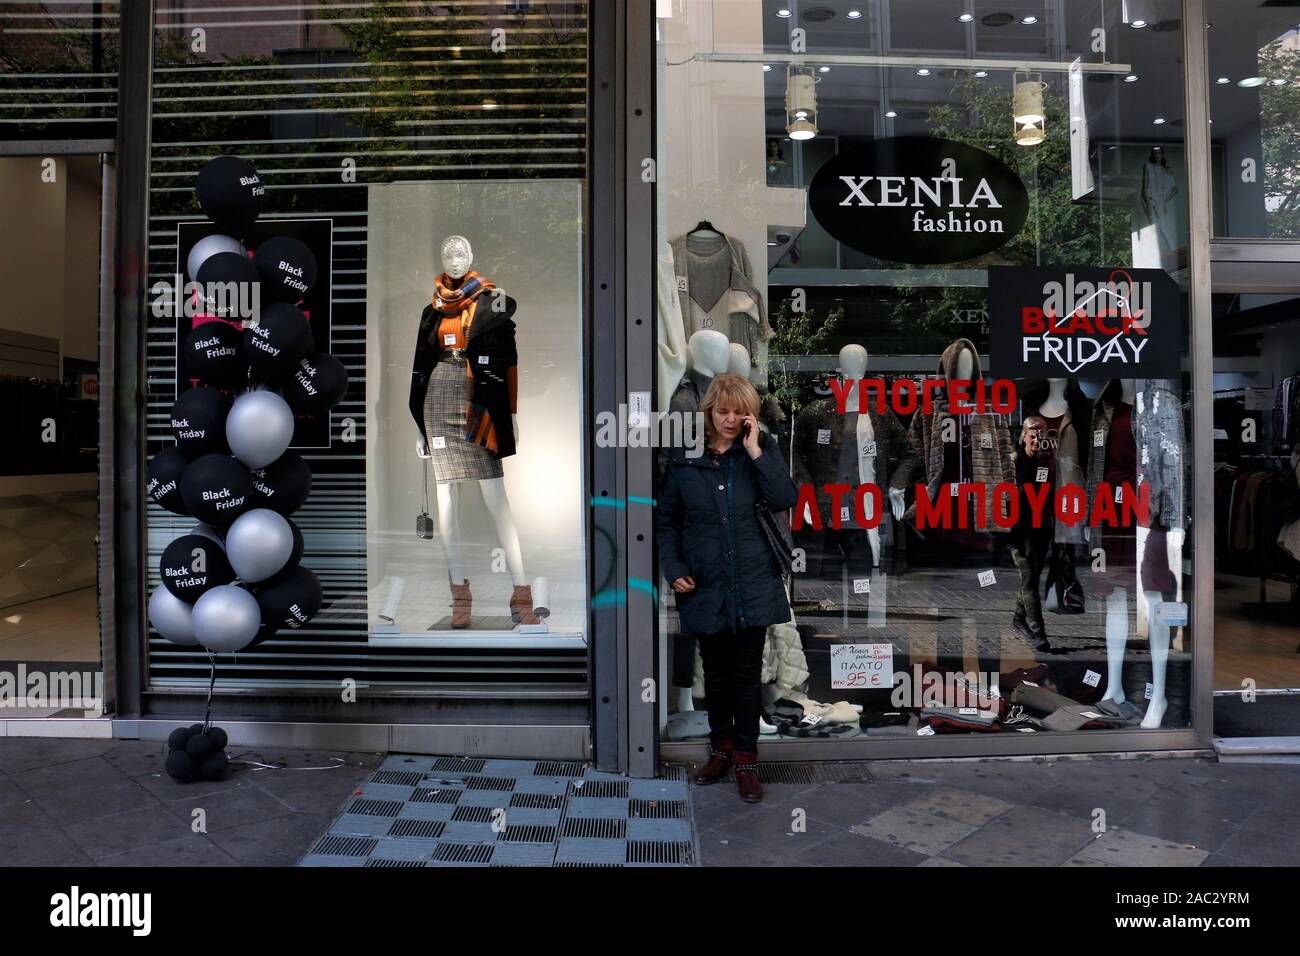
x,y
461,601
521,606
721,756
751,791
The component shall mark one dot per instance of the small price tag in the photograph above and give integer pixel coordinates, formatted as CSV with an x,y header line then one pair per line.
x,y
1150,689
968,711
439,442
861,585
482,360
846,514
1041,476
449,339
681,284
823,436
1119,494
1171,613
986,441
870,449
925,732
1139,403
987,579
1098,439
1090,715
1146,455
1091,678
952,491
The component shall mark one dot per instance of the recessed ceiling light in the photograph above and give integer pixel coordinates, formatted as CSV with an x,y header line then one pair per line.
x,y
1250,82
923,71
823,69
1159,121
965,17
783,13
996,19
1138,24
981,73
1279,82
1131,78
1223,80
767,67
854,14
1029,21
891,114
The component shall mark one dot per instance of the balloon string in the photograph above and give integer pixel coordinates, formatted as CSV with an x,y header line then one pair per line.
x,y
212,683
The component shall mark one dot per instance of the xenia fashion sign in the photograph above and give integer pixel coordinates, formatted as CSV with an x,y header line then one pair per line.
x,y
1054,322
919,199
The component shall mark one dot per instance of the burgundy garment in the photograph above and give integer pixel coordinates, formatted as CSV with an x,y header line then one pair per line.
x,y
1051,443
1121,448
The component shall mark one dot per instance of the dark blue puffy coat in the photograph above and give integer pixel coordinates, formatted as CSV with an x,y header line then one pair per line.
x,y
708,531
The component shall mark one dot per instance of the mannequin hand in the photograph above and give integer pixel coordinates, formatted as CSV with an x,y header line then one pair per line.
x,y
897,503
422,447
684,585
807,515
514,421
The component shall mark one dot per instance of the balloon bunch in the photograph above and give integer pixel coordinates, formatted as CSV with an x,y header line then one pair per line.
x,y
197,752
234,580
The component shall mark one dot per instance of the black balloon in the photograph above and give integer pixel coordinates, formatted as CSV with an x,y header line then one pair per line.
x,y
237,276
278,342
177,567
218,737
318,384
214,768
164,480
231,193
290,600
177,738
179,766
283,485
214,353
287,268
199,421
200,747
216,489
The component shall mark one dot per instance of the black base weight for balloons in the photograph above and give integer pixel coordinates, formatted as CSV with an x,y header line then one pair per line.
x,y
194,753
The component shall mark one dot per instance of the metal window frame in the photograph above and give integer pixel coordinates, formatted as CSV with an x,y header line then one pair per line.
x,y
1197,737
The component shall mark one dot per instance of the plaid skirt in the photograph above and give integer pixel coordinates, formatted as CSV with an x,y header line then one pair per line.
x,y
453,458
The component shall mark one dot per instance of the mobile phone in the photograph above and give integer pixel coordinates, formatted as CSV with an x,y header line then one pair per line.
x,y
744,429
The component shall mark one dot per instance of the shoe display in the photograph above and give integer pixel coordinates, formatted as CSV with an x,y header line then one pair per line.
x,y
521,606
461,603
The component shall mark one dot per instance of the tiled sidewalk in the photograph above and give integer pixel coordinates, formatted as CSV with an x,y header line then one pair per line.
x,y
1156,812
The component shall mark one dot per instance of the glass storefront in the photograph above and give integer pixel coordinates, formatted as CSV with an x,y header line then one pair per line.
x,y
949,247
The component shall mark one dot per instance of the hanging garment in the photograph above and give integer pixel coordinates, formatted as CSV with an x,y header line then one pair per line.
x,y
716,290
670,331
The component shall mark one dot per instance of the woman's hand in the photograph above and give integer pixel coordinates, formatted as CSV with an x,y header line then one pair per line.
x,y
751,435
684,585
422,447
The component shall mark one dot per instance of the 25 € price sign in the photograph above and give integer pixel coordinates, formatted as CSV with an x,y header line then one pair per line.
x,y
862,666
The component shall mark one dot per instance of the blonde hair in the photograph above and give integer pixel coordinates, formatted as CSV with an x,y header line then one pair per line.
x,y
735,390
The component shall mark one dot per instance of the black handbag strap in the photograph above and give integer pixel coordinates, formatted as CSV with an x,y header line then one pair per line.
x,y
424,470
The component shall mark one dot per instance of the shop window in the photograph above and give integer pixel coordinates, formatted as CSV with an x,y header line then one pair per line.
x,y
957,292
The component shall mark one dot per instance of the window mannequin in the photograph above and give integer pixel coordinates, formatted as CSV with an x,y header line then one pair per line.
x,y
467,342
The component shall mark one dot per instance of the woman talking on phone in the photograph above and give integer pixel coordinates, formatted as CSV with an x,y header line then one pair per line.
x,y
720,560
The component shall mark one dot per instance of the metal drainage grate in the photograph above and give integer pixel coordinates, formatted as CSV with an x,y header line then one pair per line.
x,y
657,851
392,863
458,765
375,808
436,796
528,833
330,845
786,773
595,828
559,768
473,814
657,809
401,778
535,801
463,853
418,829
574,863
673,771
600,788
847,772
490,783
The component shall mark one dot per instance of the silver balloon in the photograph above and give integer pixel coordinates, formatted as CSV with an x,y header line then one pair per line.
x,y
209,246
207,531
259,544
259,428
226,619
171,617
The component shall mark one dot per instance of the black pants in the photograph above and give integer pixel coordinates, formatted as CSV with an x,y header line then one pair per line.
x,y
733,669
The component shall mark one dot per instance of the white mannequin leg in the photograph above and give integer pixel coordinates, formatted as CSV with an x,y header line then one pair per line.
x,y
498,506
1159,638
1143,611
449,528
873,537
1116,640
685,701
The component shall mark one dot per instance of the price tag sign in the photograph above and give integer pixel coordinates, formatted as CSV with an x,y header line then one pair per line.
x,y
1091,678
449,339
823,436
1150,689
846,515
1171,613
986,441
870,449
862,666
987,579
439,442
925,732
1098,439
861,585
1041,475
482,360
